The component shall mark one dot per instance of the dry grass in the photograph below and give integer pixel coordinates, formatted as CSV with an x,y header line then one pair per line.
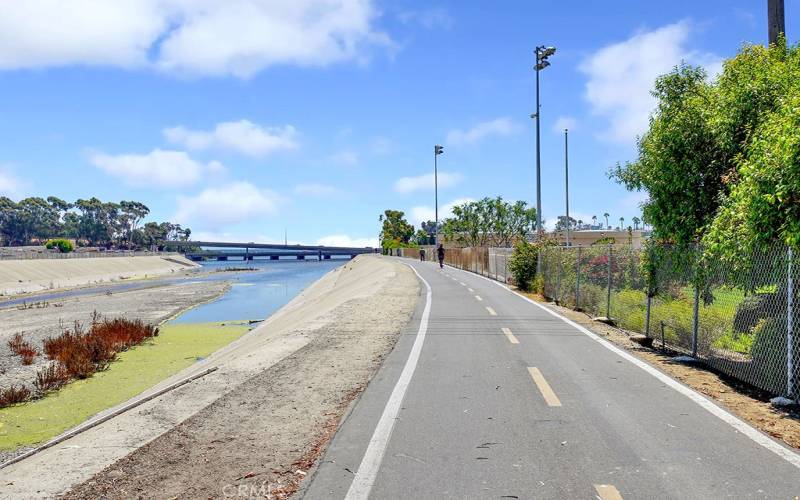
x,y
51,378
14,395
23,349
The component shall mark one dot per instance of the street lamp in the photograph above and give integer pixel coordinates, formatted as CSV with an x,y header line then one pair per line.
x,y
542,53
437,150
566,176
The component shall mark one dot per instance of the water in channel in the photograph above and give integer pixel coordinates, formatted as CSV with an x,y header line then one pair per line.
x,y
255,295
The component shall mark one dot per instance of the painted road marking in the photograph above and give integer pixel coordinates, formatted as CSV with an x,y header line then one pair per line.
x,y
510,336
724,415
547,392
607,492
470,289
368,470
491,311
478,298
462,283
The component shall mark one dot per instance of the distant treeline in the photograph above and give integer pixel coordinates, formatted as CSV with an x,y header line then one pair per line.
x,y
89,222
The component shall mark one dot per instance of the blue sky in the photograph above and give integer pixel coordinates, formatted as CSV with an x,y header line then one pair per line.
x,y
242,118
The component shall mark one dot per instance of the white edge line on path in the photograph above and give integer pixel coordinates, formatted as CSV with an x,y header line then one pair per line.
x,y
368,470
727,417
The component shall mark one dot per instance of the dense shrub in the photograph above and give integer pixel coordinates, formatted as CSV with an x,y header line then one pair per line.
x,y
628,308
64,246
23,349
756,307
592,299
769,352
522,264
13,395
51,377
83,353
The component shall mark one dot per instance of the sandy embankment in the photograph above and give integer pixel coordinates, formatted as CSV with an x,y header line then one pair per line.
x,y
25,276
278,393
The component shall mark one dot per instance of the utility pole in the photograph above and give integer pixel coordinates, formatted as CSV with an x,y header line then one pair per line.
x,y
777,21
566,176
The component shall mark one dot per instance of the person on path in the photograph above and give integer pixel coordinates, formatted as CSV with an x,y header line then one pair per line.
x,y
440,254
422,254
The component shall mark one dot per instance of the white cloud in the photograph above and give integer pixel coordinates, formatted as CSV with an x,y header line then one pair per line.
x,y
406,185
198,37
243,137
226,205
420,214
499,126
10,185
342,240
347,158
158,168
432,18
381,146
622,75
565,122
317,190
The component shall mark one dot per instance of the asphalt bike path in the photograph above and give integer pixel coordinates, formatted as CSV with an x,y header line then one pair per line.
x,y
506,400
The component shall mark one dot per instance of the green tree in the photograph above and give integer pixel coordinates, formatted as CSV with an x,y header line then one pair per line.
x,y
490,221
709,161
395,229
130,214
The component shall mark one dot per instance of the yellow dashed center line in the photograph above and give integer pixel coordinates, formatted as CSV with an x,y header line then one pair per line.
x,y
547,392
491,311
478,298
510,336
607,492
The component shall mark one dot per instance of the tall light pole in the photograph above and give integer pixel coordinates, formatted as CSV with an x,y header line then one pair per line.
x,y
566,175
437,150
542,53
776,19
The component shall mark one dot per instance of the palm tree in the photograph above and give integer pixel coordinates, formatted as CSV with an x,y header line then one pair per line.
x,y
606,215
621,222
636,222
594,221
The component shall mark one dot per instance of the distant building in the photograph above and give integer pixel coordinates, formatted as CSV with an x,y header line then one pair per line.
x,y
585,238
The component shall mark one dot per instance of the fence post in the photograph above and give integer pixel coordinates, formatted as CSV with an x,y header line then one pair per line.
x,y
578,280
560,273
790,381
608,292
695,318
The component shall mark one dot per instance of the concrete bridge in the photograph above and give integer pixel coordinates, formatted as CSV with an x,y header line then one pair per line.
x,y
223,250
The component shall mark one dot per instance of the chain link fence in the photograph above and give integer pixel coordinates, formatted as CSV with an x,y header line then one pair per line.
x,y
740,318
